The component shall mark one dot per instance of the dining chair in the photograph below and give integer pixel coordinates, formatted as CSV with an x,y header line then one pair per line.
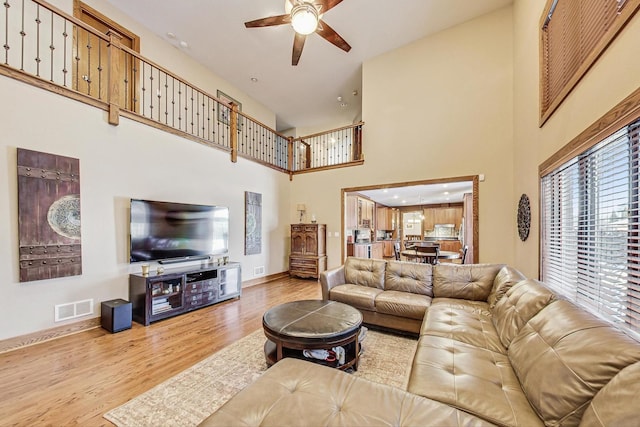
x,y
396,250
464,254
429,254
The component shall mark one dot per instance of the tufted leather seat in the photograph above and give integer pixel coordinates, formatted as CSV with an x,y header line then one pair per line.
x,y
298,393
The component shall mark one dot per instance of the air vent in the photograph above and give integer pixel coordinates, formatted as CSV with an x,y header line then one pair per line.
x,y
71,310
258,271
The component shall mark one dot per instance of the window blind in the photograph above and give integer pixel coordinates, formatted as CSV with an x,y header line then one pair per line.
x,y
590,228
574,33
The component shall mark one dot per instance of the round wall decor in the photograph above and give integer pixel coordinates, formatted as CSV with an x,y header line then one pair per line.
x,y
524,217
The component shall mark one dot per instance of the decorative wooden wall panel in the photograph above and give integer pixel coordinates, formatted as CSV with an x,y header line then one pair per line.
x,y
252,223
48,216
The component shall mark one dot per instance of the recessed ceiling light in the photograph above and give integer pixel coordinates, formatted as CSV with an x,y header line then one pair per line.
x,y
171,35
404,201
385,191
446,192
254,79
395,197
184,44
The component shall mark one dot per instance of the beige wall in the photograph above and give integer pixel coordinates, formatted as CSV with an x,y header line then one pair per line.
x,y
118,163
613,77
439,107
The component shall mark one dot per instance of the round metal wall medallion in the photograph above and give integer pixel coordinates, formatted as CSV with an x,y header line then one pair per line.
x,y
524,217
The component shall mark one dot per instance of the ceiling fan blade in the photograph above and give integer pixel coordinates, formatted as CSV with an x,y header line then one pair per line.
x,y
298,44
329,4
329,34
269,21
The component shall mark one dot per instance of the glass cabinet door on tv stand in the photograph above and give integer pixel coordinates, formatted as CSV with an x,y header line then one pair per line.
x,y
179,290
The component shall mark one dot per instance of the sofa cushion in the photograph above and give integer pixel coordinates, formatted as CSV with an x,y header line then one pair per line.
x,y
409,277
403,304
617,403
355,295
295,392
505,279
520,303
465,281
365,272
470,378
563,356
465,321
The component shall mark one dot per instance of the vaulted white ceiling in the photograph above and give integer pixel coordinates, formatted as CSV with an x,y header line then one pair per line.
x,y
307,94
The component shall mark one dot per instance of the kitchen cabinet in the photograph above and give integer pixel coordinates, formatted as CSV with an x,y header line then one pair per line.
x,y
388,248
450,245
351,213
384,218
308,256
429,218
442,215
366,209
377,250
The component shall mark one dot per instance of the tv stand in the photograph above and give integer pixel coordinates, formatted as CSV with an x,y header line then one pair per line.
x,y
180,290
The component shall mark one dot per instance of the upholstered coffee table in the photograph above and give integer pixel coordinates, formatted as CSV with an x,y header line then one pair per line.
x,y
293,327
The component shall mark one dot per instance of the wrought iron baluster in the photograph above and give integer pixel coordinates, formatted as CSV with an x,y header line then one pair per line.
x,y
208,117
159,94
173,102
186,108
126,82
179,105
150,92
191,109
204,135
166,98
197,108
77,57
88,76
65,35
6,32
143,112
100,42
134,83
22,36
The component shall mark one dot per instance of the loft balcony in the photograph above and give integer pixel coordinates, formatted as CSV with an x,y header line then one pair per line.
x,y
45,47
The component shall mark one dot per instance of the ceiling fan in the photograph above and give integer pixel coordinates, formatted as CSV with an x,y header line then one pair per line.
x,y
305,16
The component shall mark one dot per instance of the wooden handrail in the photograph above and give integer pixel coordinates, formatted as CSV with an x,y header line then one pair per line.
x,y
329,131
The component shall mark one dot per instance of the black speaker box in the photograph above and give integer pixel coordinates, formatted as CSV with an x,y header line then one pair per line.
x,y
116,315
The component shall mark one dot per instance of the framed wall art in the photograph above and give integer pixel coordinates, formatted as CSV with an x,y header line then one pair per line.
x,y
48,216
252,223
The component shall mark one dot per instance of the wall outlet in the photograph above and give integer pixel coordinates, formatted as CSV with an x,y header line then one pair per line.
x,y
258,271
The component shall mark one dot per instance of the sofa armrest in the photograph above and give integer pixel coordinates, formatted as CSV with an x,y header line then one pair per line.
x,y
330,279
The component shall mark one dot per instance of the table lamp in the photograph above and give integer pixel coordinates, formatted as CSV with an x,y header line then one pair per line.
x,y
301,208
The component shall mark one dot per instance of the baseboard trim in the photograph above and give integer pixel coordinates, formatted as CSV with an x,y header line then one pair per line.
x,y
22,341
265,279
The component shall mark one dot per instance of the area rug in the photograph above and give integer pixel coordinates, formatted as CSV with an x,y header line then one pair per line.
x,y
191,396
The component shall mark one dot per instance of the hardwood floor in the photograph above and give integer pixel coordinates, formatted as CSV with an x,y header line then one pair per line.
x,y
75,379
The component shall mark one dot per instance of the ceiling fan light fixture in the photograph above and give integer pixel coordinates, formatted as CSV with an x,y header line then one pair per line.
x,y
304,18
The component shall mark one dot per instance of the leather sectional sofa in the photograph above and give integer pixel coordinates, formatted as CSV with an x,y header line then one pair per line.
x,y
494,348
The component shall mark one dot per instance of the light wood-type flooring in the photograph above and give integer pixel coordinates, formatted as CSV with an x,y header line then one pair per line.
x,y
75,379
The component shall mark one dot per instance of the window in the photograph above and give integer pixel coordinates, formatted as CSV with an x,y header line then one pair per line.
x,y
590,227
573,34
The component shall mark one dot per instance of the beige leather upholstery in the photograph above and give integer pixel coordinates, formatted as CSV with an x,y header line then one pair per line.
x,y
409,277
299,393
505,279
519,304
531,359
403,304
465,281
365,272
330,279
569,354
465,321
361,297
470,378
617,403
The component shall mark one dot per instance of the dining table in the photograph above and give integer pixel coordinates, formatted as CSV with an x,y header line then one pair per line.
x,y
442,255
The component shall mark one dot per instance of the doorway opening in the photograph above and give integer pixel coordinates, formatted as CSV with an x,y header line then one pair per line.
x,y
443,210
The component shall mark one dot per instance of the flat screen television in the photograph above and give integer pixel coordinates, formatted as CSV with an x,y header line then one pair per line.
x,y
173,232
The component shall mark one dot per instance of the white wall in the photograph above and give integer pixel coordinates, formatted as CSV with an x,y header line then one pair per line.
x,y
439,107
118,163
612,78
